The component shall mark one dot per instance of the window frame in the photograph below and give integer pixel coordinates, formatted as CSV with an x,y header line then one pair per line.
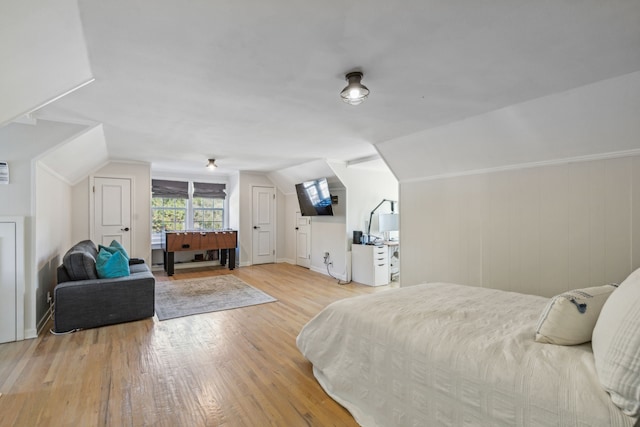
x,y
212,209
169,208
156,238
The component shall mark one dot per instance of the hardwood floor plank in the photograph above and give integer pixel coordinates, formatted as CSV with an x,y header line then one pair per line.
x,y
237,367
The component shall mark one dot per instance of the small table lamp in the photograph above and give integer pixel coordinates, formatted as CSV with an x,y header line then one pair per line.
x,y
371,216
388,222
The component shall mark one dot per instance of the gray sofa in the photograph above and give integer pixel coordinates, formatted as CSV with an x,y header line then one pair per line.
x,y
83,301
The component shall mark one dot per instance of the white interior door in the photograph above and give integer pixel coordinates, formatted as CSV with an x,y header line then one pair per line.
x,y
264,250
8,282
303,240
112,207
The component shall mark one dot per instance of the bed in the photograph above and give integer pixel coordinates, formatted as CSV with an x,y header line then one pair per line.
x,y
443,354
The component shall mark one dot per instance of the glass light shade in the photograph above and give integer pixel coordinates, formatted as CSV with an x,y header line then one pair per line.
x,y
355,92
388,222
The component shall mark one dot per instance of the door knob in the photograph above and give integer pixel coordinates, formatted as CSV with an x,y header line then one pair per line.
x,y
297,228
124,229
255,227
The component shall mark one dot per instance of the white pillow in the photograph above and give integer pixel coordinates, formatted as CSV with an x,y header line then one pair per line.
x,y
616,345
569,318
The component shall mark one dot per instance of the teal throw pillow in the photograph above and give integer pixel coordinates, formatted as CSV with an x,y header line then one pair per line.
x,y
114,247
110,265
109,249
119,247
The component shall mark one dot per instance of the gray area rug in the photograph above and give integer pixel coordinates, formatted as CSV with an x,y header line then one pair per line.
x,y
186,297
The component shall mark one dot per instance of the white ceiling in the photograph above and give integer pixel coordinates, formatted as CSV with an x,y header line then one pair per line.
x,y
256,84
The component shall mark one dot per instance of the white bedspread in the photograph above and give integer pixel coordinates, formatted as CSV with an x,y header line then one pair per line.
x,y
449,355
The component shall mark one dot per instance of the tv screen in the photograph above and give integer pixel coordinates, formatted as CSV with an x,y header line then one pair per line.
x,y
314,197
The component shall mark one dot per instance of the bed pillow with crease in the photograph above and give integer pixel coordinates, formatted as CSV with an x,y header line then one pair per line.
x,y
569,318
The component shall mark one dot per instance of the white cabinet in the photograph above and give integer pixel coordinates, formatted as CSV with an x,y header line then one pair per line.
x,y
370,264
11,279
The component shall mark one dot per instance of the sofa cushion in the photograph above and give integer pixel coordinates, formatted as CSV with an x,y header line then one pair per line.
x,y
80,261
111,265
138,268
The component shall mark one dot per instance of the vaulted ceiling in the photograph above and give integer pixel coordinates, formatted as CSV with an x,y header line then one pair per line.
x,y
256,84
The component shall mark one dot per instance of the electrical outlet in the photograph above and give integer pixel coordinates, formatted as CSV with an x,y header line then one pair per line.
x,y
326,259
49,298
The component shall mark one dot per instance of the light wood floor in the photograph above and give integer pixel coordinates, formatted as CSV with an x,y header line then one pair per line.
x,y
231,368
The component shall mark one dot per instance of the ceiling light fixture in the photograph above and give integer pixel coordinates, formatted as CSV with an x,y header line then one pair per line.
x,y
212,164
355,92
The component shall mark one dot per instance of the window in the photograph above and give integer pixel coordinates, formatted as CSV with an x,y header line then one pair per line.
x,y
182,205
208,213
169,214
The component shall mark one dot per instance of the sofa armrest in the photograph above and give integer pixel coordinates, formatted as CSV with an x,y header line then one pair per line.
x,y
83,304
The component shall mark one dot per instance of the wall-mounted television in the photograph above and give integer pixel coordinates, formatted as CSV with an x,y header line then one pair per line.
x,y
314,197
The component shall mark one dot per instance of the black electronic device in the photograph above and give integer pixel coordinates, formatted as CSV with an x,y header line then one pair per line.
x,y
357,237
314,197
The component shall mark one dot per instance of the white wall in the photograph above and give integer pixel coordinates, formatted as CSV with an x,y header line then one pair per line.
x,y
365,189
288,228
246,183
285,228
52,235
540,230
328,235
19,145
233,193
141,208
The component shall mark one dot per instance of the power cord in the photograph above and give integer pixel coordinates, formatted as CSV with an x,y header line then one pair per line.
x,y
64,333
52,332
328,263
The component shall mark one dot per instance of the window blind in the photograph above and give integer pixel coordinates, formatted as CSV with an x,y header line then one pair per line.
x,y
173,189
206,189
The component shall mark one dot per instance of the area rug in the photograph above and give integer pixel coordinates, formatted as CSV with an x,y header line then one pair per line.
x,y
186,297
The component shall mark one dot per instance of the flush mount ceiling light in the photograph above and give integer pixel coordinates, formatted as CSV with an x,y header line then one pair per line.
x,y
212,164
355,92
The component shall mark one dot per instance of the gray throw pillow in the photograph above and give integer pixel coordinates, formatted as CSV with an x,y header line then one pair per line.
x,y
80,262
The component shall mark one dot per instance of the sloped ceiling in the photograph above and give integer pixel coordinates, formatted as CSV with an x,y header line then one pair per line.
x,y
77,157
286,179
43,54
256,86
597,120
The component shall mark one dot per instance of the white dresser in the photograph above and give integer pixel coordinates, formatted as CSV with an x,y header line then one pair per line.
x,y
370,264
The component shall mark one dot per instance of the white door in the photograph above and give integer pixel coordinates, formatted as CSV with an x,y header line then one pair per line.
x,y
264,249
8,282
303,240
112,210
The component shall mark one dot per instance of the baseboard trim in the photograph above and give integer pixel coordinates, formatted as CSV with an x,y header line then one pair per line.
x,y
342,277
185,265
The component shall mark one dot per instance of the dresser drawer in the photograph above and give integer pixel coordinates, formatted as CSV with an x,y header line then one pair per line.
x,y
370,264
380,256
